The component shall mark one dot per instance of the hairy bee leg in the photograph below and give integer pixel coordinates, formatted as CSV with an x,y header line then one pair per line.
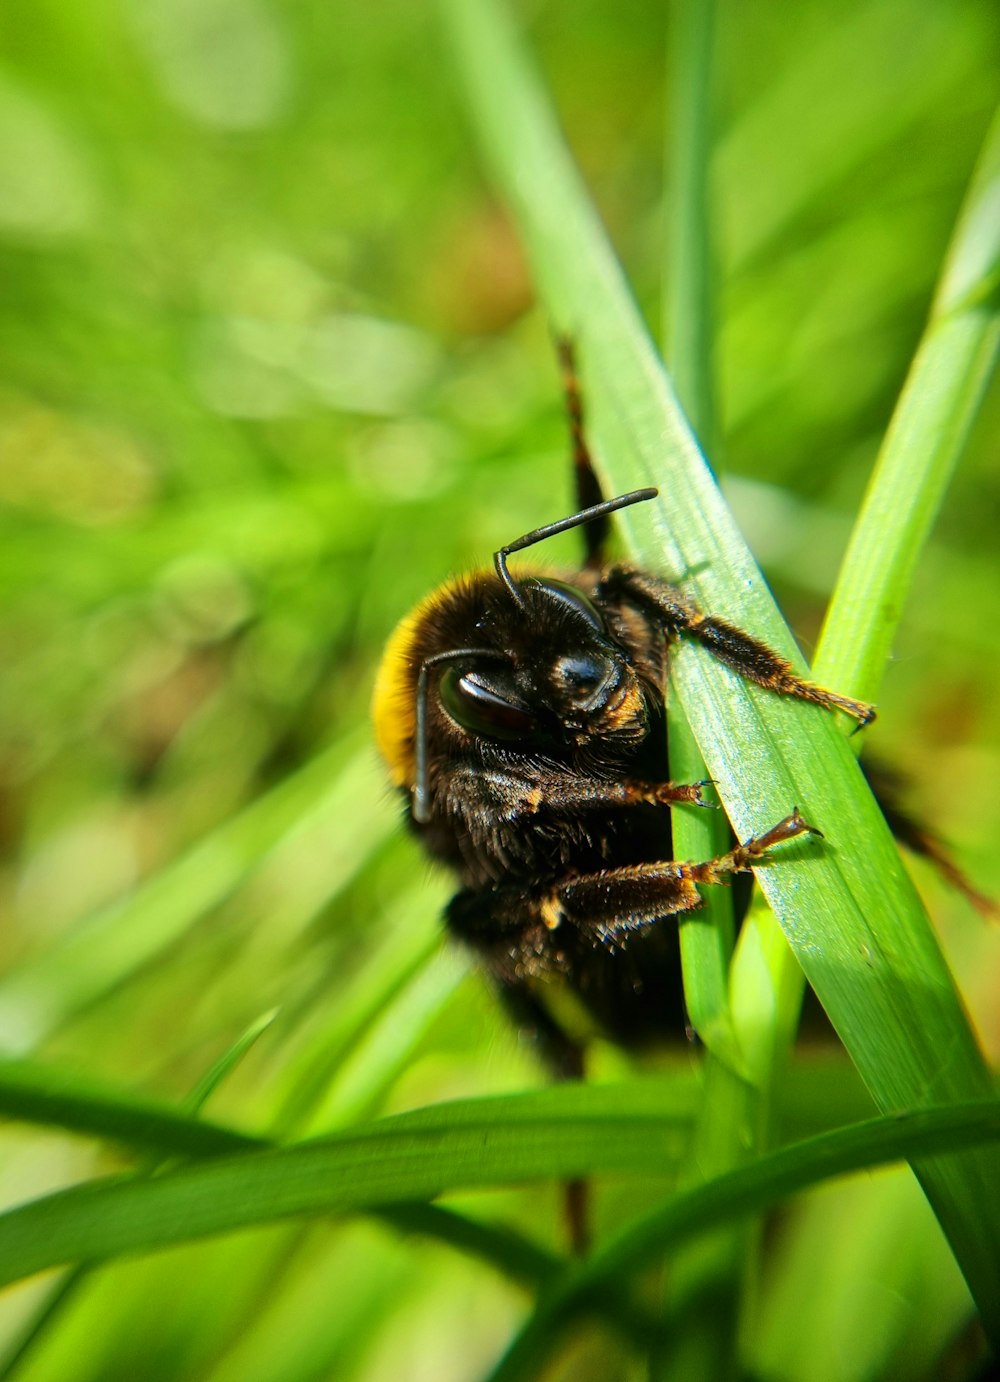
x,y
755,851
521,931
689,793
588,486
609,905
756,662
518,799
749,658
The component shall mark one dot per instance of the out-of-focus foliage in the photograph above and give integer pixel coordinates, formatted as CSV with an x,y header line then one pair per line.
x,y
270,370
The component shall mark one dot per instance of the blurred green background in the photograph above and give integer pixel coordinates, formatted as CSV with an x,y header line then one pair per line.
x,y
270,368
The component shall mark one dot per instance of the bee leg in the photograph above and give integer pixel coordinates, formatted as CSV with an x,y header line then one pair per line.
x,y
588,486
749,658
523,931
608,906
518,799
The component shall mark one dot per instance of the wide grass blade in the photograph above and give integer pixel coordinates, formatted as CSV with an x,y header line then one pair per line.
x,y
554,1133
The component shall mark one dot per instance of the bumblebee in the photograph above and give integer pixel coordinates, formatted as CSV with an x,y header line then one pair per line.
x,y
522,717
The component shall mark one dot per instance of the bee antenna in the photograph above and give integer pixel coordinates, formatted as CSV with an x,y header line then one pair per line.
x,y
576,520
421,791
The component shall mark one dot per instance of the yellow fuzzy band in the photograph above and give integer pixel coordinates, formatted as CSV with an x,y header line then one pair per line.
x,y
394,709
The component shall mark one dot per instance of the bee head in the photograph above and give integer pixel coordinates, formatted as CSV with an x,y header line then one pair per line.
x,y
549,678
525,666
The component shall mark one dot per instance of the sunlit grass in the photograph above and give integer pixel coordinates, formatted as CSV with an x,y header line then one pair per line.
x,y
267,380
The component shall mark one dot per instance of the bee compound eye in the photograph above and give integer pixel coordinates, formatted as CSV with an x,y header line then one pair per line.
x,y
582,674
482,709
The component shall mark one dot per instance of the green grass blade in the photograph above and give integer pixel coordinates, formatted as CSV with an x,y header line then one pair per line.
x,y
108,947
814,1097
946,382
31,1092
307,1100
556,1133
744,1191
919,453
64,1294
846,905
228,1061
